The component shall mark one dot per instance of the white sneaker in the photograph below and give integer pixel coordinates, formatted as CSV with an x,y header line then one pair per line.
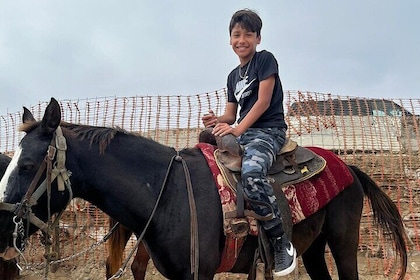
x,y
284,256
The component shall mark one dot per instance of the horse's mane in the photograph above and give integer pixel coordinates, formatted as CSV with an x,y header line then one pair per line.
x,y
28,126
94,134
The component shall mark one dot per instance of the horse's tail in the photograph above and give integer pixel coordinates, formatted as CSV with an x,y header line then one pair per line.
x,y
116,244
386,215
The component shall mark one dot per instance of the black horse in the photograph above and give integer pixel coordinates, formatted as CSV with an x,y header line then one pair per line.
x,y
125,175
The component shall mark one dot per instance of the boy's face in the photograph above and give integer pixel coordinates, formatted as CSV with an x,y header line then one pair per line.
x,y
244,42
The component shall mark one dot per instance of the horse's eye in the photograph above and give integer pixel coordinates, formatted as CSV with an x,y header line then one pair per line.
x,y
26,167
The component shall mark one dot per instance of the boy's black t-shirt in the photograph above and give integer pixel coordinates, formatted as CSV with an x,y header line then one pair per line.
x,y
244,91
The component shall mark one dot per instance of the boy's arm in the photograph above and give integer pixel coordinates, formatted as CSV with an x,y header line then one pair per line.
x,y
229,117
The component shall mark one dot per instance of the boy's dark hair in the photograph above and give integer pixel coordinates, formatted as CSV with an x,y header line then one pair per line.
x,y
248,20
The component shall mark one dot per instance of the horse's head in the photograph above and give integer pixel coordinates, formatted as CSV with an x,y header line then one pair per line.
x,y
35,184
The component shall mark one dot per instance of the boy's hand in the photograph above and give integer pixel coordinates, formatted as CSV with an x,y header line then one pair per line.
x,y
209,120
222,129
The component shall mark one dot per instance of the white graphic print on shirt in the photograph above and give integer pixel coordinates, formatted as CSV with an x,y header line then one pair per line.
x,y
241,87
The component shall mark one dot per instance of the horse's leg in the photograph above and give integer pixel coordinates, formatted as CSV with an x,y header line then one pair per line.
x,y
307,230
314,260
307,242
343,223
116,245
139,265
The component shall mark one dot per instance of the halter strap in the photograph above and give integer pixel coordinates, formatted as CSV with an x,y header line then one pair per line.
x,y
57,170
54,170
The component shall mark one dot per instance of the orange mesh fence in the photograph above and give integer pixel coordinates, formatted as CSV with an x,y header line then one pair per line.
x,y
380,136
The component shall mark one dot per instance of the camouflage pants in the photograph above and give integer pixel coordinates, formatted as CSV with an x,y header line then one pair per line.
x,y
260,148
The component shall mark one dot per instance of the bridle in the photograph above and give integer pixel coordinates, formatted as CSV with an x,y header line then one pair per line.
x,y
54,167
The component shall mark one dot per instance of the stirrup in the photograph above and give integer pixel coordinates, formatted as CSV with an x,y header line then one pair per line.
x,y
239,226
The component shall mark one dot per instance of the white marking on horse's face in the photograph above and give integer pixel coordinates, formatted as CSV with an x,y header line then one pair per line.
x,y
12,165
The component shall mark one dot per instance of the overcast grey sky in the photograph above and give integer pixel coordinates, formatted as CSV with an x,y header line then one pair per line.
x,y
78,49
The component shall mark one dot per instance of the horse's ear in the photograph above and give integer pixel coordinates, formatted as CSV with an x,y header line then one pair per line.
x,y
52,117
27,116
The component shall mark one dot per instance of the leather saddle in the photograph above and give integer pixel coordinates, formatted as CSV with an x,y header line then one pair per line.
x,y
293,164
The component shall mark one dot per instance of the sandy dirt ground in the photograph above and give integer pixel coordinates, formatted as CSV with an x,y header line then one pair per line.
x,y
90,268
97,271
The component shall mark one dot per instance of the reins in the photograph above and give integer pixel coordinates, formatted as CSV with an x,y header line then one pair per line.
x,y
194,248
